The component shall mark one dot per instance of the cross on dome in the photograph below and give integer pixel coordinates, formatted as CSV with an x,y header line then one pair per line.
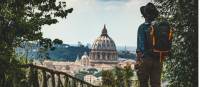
x,y
104,31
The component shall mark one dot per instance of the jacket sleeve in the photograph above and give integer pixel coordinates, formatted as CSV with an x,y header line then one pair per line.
x,y
140,39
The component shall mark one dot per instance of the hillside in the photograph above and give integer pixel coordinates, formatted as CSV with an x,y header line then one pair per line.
x,y
67,52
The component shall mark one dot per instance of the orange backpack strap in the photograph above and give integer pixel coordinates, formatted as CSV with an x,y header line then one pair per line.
x,y
170,34
152,35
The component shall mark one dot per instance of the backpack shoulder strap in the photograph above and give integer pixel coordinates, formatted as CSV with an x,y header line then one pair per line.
x,y
152,33
171,33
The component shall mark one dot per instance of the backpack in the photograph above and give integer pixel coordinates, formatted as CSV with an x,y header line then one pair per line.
x,y
160,37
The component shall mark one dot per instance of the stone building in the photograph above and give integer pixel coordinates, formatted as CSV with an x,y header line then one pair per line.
x,y
85,60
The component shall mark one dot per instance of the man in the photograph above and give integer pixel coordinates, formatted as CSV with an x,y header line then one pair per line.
x,y
149,67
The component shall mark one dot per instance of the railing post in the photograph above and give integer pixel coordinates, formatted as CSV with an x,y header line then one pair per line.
x,y
59,81
53,79
66,84
44,81
135,83
74,83
33,77
36,83
81,84
70,82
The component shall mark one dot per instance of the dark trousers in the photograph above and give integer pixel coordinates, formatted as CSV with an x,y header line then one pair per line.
x,y
150,69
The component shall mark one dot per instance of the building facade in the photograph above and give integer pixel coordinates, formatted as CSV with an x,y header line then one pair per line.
x,y
85,60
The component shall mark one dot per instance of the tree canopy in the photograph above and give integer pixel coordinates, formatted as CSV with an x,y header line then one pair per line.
x,y
57,41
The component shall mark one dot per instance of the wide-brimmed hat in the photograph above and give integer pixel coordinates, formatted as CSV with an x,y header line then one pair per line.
x,y
142,11
149,10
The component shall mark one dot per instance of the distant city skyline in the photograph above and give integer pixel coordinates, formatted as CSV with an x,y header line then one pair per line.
x,y
121,17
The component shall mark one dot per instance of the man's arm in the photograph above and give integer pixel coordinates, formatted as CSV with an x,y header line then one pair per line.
x,y
140,41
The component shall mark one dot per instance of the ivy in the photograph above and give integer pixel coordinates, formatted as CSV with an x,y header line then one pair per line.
x,y
182,64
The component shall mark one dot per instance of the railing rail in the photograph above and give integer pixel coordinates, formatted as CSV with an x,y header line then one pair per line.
x,y
40,76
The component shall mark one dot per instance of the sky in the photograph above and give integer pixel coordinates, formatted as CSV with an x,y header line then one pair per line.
x,y
121,17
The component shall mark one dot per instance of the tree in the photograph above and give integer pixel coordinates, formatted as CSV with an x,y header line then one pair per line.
x,y
21,20
92,70
108,78
118,77
128,74
57,42
182,64
46,45
80,44
123,76
119,72
28,47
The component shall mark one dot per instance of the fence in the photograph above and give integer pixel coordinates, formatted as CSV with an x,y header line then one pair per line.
x,y
43,77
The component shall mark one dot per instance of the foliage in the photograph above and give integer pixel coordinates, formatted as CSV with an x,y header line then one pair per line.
x,y
90,71
21,20
57,41
11,74
128,73
45,46
118,77
46,43
182,64
61,52
69,53
98,74
80,75
108,78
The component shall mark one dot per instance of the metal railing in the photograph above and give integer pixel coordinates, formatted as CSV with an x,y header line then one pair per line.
x,y
44,77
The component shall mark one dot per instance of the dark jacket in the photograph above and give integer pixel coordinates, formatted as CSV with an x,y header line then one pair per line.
x,y
142,43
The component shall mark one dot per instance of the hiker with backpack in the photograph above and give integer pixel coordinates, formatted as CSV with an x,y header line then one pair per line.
x,y
153,44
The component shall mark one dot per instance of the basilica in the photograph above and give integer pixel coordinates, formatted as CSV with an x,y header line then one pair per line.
x,y
103,50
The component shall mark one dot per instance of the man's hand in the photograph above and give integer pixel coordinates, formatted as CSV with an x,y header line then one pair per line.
x,y
140,55
138,60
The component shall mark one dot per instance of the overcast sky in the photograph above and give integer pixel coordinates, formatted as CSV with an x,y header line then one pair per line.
x,y
84,24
